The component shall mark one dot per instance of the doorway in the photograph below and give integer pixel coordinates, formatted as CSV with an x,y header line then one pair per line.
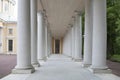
x,y
10,45
57,46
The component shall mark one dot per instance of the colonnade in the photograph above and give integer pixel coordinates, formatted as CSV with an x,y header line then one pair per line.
x,y
34,37
72,43
95,36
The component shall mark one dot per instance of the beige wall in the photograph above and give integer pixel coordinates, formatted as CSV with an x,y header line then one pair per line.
x,y
53,45
1,24
6,36
61,45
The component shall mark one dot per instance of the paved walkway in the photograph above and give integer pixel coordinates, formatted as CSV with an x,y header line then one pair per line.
x,y
7,62
59,67
115,67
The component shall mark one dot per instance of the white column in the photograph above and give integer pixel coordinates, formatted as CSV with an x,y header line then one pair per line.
x,y
88,34
99,35
46,40
78,39
41,37
50,47
73,41
49,43
34,33
24,39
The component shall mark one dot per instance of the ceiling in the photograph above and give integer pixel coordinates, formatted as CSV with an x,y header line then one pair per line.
x,y
59,14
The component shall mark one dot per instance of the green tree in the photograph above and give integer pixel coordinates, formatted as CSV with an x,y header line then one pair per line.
x,y
113,27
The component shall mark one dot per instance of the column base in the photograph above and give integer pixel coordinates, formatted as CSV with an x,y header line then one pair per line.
x,y
23,71
72,58
100,70
43,59
48,56
77,60
86,65
36,65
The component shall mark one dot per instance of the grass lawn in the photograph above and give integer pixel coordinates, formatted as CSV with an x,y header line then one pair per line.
x,y
115,58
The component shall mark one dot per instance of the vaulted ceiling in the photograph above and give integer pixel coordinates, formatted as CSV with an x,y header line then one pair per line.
x,y
59,14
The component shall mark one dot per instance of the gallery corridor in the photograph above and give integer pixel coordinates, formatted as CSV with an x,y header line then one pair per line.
x,y
60,67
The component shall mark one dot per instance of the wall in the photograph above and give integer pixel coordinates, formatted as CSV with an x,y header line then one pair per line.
x,y
67,43
6,36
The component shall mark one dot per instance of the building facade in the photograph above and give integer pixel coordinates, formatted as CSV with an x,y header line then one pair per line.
x,y
8,27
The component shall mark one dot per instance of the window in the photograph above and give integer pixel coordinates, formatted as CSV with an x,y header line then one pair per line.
x,y
10,45
6,6
1,5
10,31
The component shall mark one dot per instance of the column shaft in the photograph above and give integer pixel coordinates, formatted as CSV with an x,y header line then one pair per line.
x,y
78,39
24,39
49,42
99,34
88,34
73,41
41,37
46,41
34,60
70,41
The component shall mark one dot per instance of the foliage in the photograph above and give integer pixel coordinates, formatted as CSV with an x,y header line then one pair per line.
x,y
113,27
115,58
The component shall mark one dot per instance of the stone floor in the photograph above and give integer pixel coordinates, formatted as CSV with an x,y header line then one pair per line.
x,y
59,67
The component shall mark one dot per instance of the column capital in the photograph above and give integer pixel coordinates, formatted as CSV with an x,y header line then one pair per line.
x,y
41,12
73,19
44,14
70,25
78,13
